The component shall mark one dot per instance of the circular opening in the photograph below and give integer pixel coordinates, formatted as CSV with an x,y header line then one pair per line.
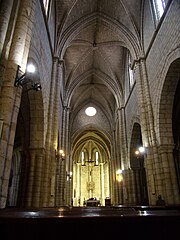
x,y
90,111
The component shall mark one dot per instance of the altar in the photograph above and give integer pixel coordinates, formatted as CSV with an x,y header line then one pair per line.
x,y
92,202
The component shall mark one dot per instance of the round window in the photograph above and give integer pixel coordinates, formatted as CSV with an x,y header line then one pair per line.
x,y
90,111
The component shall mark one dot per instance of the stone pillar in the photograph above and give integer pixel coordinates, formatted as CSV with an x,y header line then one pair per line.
x,y
62,183
133,187
122,138
121,163
31,173
142,104
10,96
64,145
68,189
49,170
107,168
37,178
147,125
78,190
68,159
114,166
33,195
58,192
169,185
102,182
55,114
111,181
5,13
75,186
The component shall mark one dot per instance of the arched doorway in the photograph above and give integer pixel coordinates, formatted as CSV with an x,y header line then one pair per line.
x,y
168,184
176,131
137,165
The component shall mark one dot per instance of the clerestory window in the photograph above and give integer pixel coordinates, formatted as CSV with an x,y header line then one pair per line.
x,y
130,72
46,6
159,7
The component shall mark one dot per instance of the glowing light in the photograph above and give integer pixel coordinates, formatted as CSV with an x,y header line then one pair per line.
x,y
137,152
31,68
119,171
141,149
119,176
90,111
62,153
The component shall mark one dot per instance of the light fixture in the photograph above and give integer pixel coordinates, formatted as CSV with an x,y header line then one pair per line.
x,y
141,149
31,68
137,152
22,80
68,175
90,111
60,155
140,154
119,176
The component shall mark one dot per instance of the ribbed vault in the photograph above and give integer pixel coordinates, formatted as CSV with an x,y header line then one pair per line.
x,y
93,38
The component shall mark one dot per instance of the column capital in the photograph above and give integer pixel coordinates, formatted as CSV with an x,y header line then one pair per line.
x,y
61,62
56,58
66,108
120,109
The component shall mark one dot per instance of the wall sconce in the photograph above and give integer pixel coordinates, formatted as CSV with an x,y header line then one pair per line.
x,y
68,176
22,80
60,155
119,175
140,153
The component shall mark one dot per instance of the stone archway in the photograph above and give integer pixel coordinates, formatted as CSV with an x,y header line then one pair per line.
x,y
137,166
176,131
91,175
29,146
168,133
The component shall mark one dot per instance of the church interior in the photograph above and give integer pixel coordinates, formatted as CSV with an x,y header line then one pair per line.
x,y
90,115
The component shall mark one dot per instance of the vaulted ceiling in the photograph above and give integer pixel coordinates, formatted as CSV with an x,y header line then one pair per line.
x,y
92,39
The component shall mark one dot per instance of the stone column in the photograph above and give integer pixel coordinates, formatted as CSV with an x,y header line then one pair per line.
x,y
10,96
31,174
122,138
102,182
37,178
52,136
34,178
107,178
147,125
169,186
122,162
65,146
75,176
59,185
114,166
5,13
55,111
62,180
133,187
68,159
110,180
